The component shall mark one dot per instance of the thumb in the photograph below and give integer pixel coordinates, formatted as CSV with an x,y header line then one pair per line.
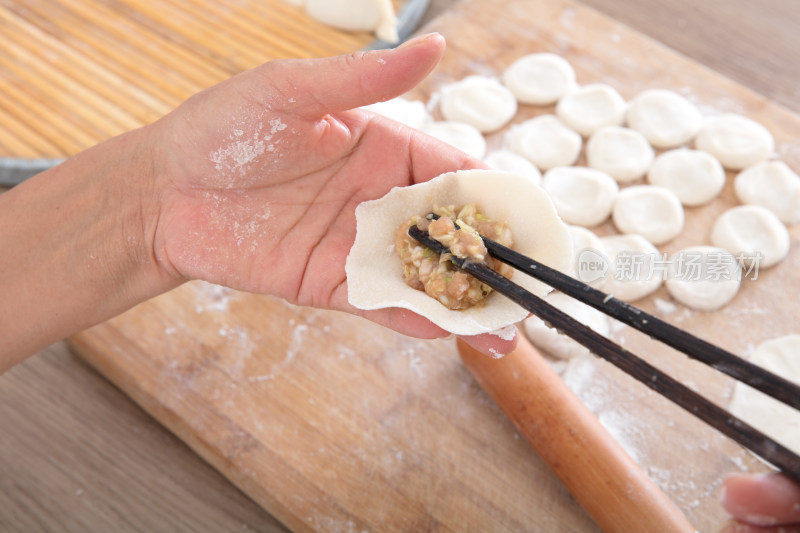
x,y
320,86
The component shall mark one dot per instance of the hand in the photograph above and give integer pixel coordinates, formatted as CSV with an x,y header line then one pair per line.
x,y
762,504
261,176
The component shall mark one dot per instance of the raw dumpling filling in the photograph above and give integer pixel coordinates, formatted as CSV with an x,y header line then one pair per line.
x,y
460,230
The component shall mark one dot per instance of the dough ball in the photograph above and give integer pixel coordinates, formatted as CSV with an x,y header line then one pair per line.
x,y
653,212
539,79
635,267
480,101
508,161
357,15
460,135
412,113
585,245
751,233
665,118
582,196
735,140
545,141
375,271
780,356
556,344
588,108
771,184
621,152
703,277
696,177
583,238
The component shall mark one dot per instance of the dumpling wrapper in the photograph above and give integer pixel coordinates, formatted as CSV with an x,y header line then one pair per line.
x,y
375,272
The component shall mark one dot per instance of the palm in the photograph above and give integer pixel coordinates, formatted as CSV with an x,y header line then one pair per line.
x,y
277,223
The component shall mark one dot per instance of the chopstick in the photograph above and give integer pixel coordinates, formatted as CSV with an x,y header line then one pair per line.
x,y
710,413
694,347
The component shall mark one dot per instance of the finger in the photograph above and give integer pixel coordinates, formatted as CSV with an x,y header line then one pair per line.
x,y
430,157
496,344
405,322
764,500
426,157
395,318
318,87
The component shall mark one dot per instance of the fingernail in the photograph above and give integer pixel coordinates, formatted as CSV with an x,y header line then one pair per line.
x,y
418,40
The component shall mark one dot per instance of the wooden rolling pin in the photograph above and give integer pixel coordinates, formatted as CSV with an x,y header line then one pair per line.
x,y
601,476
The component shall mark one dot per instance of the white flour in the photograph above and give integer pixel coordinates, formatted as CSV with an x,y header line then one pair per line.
x,y
234,158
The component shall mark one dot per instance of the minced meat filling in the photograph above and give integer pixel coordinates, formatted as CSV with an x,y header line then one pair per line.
x,y
436,275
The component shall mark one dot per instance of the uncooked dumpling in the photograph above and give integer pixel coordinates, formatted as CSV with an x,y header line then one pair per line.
x,y
539,79
582,196
621,152
634,263
508,161
585,245
480,101
781,356
460,135
771,184
412,113
545,141
357,15
651,211
696,177
735,140
665,118
753,233
703,277
588,108
374,271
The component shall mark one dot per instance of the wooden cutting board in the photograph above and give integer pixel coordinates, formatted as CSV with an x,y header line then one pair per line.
x,y
334,424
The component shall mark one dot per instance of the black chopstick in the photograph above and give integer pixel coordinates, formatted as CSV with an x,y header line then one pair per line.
x,y
694,347
718,418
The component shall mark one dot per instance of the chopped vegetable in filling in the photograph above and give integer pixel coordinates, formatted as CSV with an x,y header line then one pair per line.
x,y
427,271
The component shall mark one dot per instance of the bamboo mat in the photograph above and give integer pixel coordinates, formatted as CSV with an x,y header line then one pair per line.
x,y
76,72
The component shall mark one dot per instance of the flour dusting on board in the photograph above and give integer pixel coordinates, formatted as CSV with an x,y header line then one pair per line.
x,y
641,435
297,340
414,361
664,307
719,105
567,18
238,338
299,333
789,152
213,298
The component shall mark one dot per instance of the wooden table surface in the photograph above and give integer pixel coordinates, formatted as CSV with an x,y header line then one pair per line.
x,y
78,455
